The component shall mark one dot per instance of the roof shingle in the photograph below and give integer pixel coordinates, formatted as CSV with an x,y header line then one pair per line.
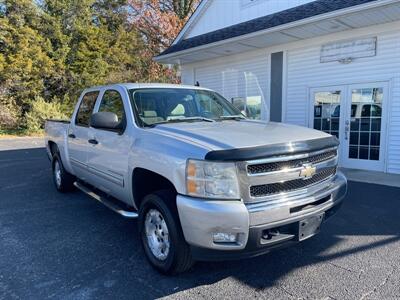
x,y
305,11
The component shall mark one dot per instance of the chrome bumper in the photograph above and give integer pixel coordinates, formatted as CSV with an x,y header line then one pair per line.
x,y
201,218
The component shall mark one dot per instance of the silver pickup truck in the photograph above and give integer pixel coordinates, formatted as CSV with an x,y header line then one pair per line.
x,y
205,182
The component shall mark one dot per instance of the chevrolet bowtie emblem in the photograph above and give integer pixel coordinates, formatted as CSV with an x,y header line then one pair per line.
x,y
308,171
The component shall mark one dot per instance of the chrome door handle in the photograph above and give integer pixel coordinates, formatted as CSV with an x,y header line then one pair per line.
x,y
93,141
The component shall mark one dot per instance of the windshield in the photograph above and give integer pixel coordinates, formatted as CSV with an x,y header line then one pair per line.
x,y
166,105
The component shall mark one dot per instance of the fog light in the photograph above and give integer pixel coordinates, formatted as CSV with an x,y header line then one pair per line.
x,y
222,237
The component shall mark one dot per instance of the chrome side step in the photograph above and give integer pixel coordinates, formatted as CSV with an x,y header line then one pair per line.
x,y
114,207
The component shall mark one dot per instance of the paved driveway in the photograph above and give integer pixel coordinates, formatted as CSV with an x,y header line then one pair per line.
x,y
71,247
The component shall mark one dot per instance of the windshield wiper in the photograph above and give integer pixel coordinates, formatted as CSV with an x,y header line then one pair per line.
x,y
188,119
233,117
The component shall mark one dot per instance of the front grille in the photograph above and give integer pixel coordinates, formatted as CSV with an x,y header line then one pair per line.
x,y
296,163
292,185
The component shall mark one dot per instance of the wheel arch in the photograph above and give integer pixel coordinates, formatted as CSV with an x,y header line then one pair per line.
x,y
145,182
53,148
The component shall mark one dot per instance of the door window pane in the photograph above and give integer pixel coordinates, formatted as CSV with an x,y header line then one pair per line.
x,y
86,108
327,111
112,102
365,126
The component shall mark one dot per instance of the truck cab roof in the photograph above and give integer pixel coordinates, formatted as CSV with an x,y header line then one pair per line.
x,y
130,85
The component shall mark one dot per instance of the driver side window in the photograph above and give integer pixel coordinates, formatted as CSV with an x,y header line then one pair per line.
x,y
112,102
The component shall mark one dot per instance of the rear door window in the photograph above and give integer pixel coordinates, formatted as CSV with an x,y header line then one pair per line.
x,y
86,108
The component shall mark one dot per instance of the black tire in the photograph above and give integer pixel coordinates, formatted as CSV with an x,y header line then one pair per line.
x,y
179,258
65,183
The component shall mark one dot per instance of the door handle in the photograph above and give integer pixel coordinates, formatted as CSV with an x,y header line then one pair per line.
x,y
93,141
346,130
71,135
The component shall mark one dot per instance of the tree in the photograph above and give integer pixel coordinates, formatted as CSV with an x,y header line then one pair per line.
x,y
25,56
160,21
184,8
51,49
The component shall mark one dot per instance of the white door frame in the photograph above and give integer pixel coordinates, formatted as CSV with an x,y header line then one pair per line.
x,y
378,165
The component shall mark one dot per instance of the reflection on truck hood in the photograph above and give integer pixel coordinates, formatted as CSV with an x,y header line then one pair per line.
x,y
238,134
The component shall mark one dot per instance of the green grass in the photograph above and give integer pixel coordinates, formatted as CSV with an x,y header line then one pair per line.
x,y
19,132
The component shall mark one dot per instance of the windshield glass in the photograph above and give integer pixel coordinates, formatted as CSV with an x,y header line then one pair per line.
x,y
166,105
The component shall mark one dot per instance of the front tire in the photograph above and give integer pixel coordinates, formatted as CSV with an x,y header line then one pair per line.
x,y
63,181
161,234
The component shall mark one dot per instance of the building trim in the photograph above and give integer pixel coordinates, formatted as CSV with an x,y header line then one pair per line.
x,y
276,83
200,9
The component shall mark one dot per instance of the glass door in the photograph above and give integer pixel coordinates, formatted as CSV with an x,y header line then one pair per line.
x,y
363,145
326,112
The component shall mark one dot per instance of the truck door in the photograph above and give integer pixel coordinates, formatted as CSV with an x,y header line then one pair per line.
x,y
78,134
109,154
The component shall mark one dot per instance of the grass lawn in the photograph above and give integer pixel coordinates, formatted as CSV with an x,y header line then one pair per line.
x,y
20,132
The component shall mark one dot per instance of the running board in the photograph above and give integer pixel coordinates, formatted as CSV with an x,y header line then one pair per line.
x,y
113,206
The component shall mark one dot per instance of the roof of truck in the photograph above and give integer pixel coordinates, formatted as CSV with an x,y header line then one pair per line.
x,y
150,85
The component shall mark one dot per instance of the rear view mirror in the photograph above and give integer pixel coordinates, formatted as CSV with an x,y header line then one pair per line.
x,y
106,120
240,104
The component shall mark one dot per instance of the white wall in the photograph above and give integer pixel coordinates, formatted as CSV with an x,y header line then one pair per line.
x,y
245,75
304,71
224,13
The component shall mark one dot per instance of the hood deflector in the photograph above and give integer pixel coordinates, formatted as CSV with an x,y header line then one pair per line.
x,y
272,150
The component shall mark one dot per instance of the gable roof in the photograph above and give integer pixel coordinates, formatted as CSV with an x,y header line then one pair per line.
x,y
298,13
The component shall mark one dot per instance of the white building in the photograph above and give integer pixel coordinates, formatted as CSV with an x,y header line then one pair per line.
x,y
329,64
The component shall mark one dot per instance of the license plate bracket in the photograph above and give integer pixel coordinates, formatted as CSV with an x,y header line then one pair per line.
x,y
310,226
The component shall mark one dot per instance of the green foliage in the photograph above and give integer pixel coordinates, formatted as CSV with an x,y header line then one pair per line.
x,y
52,49
183,8
41,111
8,117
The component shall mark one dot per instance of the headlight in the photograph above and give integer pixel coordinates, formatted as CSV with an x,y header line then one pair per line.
x,y
215,180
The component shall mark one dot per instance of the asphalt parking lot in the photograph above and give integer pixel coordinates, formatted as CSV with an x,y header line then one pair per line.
x,y
71,247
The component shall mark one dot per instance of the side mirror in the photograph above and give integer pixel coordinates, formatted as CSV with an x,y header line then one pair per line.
x,y
106,120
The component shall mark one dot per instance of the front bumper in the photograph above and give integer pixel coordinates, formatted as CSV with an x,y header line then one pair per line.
x,y
200,219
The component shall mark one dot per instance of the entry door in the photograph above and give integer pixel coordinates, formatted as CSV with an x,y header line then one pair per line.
x,y
356,115
108,155
78,135
326,113
364,137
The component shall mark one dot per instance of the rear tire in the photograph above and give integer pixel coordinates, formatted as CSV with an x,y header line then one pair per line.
x,y
63,181
161,234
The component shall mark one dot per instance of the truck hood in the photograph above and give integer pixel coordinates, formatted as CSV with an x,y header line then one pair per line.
x,y
238,134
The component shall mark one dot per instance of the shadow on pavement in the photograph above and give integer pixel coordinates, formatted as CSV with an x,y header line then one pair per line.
x,y
68,246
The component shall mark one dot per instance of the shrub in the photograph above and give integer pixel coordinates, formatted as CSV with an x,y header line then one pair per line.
x,y
8,117
41,111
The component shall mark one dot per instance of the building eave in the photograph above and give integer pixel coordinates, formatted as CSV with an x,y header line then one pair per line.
x,y
175,57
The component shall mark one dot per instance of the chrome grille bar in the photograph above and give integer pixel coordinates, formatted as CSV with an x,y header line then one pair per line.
x,y
269,185
291,185
290,164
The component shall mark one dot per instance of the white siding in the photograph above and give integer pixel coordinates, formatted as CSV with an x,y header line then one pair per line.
x,y
187,75
224,13
234,76
305,71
